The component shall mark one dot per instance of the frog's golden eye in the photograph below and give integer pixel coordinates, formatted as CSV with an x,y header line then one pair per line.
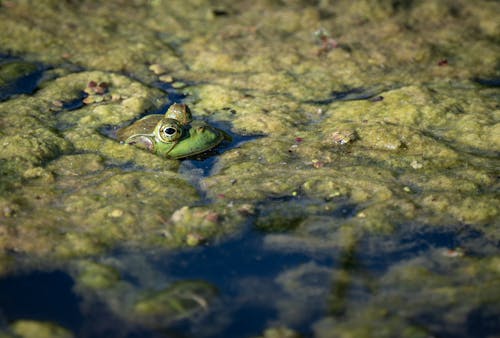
x,y
169,133
168,130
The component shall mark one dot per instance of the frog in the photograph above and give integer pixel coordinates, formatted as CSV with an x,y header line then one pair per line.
x,y
173,135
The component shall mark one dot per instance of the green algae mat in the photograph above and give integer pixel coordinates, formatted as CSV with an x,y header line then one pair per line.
x,y
357,194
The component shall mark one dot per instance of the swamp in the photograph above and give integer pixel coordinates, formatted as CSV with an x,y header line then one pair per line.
x,y
352,189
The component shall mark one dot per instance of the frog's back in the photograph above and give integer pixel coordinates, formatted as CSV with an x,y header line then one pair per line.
x,y
144,126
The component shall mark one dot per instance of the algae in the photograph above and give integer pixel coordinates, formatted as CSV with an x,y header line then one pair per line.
x,y
386,134
179,300
31,328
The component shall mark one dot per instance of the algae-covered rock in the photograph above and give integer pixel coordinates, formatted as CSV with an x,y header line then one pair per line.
x,y
279,332
181,300
97,276
37,329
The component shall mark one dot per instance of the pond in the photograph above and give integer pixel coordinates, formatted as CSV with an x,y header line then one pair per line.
x,y
352,190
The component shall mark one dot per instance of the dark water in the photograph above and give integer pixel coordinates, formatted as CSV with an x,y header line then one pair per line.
x,y
49,296
246,273
40,296
25,84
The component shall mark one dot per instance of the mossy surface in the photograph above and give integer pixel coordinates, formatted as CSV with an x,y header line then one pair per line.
x,y
368,126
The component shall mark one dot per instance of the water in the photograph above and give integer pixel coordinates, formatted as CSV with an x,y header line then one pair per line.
x,y
375,239
252,279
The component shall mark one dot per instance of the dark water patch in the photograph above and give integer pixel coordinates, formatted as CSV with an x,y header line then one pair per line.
x,y
229,266
345,95
74,104
18,77
380,252
222,264
253,327
345,211
474,242
489,82
353,94
41,296
100,322
482,322
384,251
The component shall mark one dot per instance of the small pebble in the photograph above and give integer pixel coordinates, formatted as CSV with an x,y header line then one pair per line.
x,y
453,253
416,165
116,213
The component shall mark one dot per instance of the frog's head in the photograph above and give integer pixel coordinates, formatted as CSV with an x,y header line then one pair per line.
x,y
150,132
196,138
173,135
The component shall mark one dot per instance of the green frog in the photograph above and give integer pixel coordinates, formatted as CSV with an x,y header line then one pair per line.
x,y
173,135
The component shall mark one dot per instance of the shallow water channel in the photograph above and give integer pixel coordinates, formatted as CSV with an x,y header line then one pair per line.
x,y
355,193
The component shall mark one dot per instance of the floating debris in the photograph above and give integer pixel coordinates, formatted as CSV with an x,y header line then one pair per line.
x,y
443,62
325,41
342,137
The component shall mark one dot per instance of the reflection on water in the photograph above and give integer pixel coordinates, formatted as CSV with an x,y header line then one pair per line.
x,y
261,281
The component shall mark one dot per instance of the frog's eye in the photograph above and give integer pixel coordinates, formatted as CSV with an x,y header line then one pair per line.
x,y
169,133
168,130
